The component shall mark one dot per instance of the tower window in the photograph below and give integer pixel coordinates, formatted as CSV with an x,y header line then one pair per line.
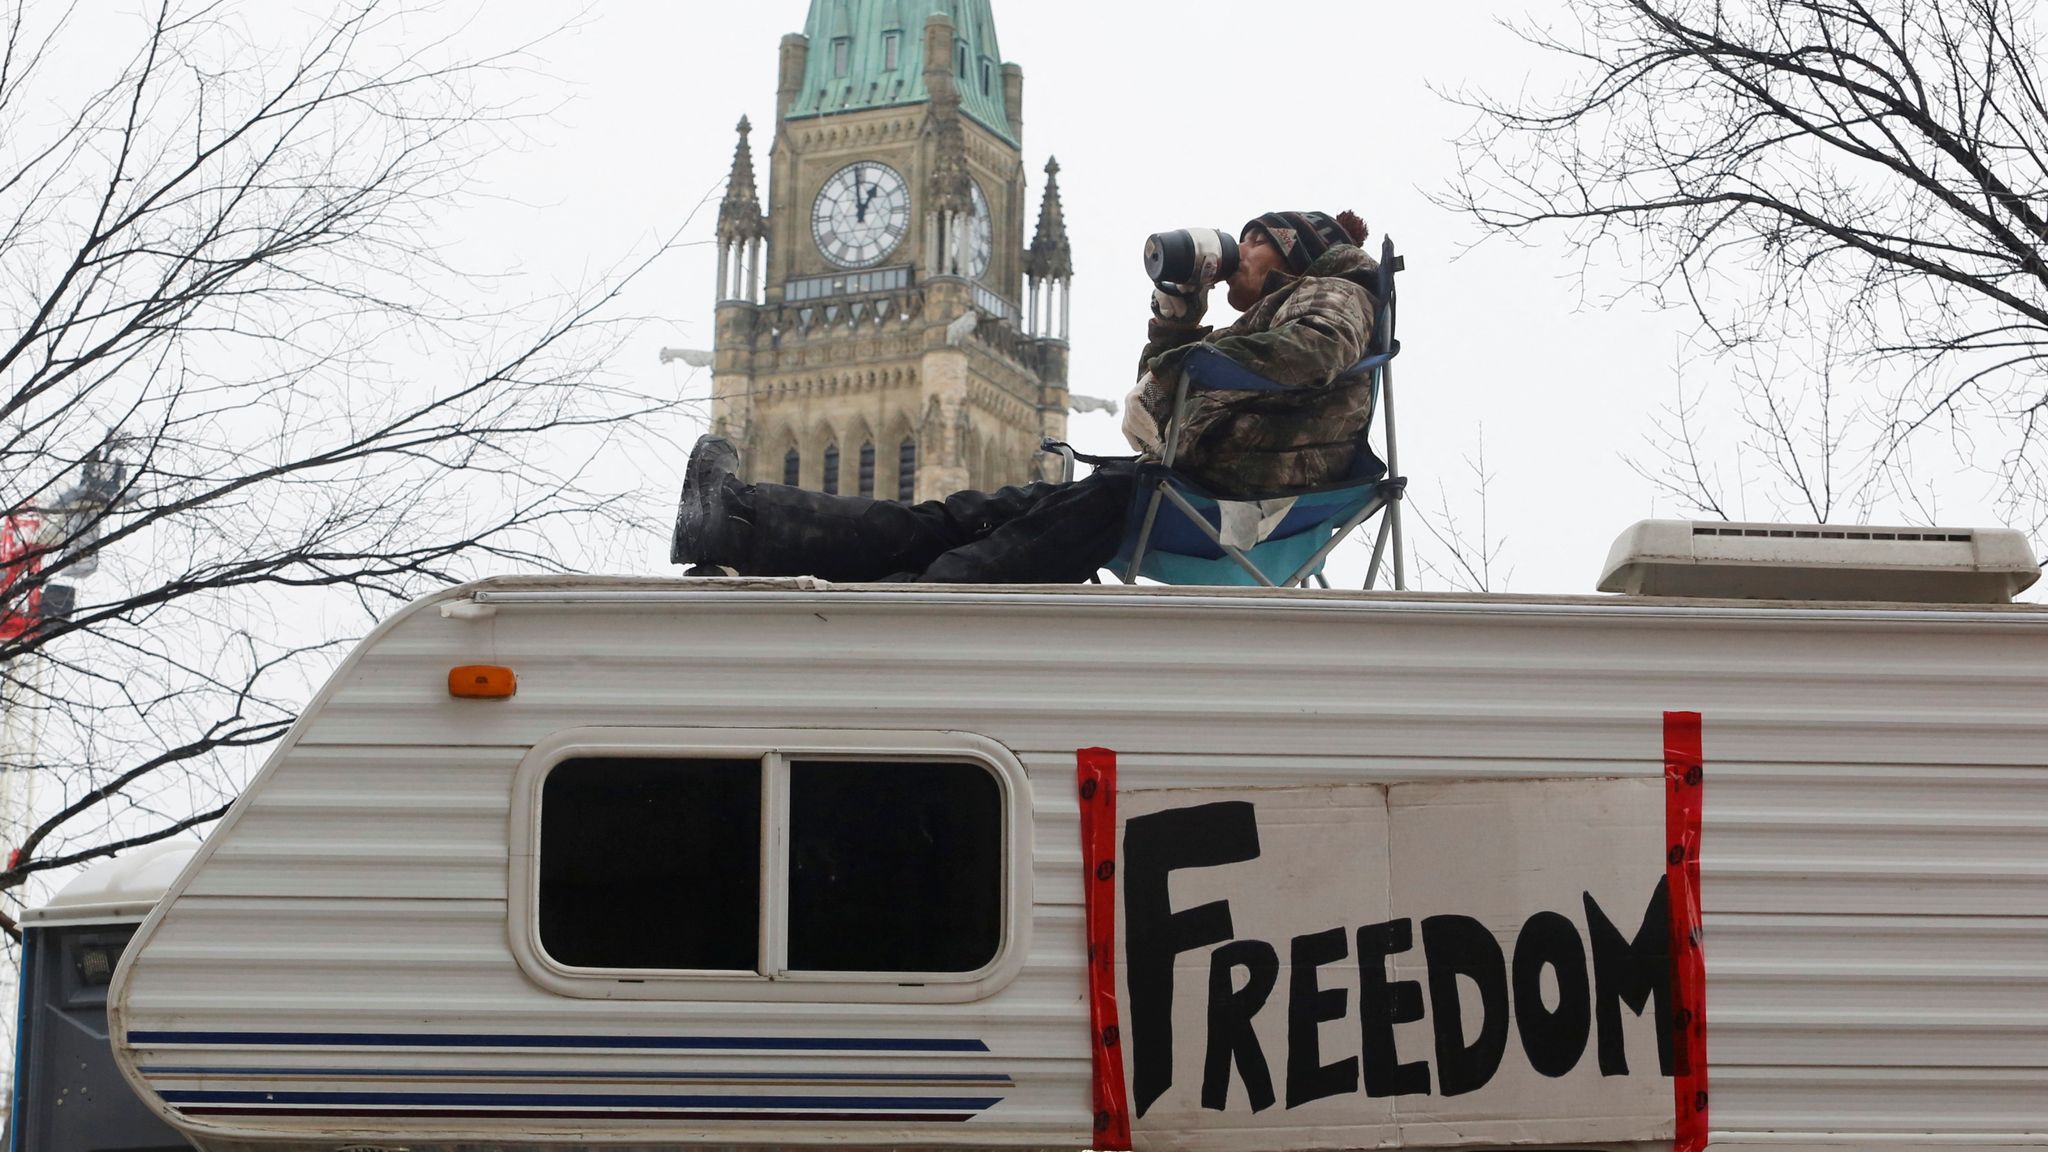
x,y
988,76
842,52
867,469
906,470
792,464
891,44
960,58
832,470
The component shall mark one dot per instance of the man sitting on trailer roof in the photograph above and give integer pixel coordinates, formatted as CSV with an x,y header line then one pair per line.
x,y
1302,286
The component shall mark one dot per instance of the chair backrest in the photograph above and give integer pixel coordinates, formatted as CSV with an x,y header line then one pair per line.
x,y
1382,345
1381,348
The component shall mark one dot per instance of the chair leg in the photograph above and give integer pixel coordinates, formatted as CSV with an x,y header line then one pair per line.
x,y
1243,561
1337,537
1379,550
1145,535
1400,570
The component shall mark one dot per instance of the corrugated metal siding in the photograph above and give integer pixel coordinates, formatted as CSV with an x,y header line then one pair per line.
x,y
1876,845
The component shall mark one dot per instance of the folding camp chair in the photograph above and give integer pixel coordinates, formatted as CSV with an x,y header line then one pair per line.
x,y
1282,541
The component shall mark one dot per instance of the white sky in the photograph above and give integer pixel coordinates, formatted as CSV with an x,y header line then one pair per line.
x,y
1203,112
1200,112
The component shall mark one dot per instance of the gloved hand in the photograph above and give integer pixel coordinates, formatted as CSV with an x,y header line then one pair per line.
x,y
1182,305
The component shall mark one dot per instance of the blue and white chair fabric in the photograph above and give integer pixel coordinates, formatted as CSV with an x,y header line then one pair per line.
x,y
1179,533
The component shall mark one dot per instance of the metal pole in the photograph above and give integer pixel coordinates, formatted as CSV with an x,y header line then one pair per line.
x,y
1379,551
1393,469
1145,534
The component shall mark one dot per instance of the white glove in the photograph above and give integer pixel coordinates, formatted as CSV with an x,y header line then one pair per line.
x,y
1183,304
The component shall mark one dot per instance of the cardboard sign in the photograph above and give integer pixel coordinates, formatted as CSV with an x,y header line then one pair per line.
x,y
1414,965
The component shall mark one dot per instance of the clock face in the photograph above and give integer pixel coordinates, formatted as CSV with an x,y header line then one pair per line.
x,y
980,237
861,214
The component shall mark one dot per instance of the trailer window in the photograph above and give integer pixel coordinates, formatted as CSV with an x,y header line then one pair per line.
x,y
791,864
651,863
894,867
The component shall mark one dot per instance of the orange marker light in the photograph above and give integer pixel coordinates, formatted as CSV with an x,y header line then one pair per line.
x,y
482,682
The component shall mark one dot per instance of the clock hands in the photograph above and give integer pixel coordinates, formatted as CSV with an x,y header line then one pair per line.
x,y
860,205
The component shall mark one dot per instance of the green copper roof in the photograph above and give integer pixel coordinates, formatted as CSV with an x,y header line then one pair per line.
x,y
850,58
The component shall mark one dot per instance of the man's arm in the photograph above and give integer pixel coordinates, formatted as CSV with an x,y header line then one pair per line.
x,y
1153,393
1324,328
1176,323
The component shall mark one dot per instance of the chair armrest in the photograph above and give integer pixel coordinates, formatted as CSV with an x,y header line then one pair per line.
x,y
1064,451
1207,370
1376,360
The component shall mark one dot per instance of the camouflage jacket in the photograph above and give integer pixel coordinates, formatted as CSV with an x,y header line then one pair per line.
x,y
1302,333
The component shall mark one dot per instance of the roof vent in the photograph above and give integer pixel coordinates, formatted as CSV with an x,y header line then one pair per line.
x,y
1820,562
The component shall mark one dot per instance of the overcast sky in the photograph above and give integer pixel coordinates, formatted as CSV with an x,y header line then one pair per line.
x,y
1200,112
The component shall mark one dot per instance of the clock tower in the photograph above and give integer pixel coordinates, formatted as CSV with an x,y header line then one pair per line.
x,y
883,328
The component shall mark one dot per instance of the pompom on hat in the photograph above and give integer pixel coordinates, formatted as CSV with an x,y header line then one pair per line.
x,y
1304,236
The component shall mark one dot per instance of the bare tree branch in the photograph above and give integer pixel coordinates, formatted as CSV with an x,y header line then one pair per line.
x,y
247,404
1861,185
1458,560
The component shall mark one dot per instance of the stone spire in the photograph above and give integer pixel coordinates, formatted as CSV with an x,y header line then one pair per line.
x,y
742,229
1049,268
1051,257
739,217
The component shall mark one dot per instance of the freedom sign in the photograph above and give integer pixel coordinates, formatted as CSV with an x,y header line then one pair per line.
x,y
1395,966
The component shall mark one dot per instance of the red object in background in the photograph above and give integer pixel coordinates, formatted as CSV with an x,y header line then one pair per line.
x,y
18,612
1095,772
1684,788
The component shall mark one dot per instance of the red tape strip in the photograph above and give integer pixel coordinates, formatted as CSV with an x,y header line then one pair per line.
x,y
1684,790
1095,771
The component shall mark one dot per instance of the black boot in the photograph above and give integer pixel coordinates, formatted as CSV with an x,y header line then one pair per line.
x,y
710,531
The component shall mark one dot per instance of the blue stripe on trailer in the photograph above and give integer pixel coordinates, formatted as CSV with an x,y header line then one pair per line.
x,y
604,1114
463,1040
591,1100
552,1074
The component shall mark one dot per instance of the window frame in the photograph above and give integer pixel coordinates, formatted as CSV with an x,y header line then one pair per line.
x,y
775,982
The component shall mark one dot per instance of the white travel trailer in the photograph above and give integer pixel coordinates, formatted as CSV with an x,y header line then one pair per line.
x,y
592,863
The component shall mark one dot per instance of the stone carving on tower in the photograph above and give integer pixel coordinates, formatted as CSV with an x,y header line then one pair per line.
x,y
873,336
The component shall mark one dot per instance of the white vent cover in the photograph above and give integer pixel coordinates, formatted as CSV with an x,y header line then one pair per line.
x,y
1820,562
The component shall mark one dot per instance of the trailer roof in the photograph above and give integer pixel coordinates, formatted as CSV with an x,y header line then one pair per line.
x,y
615,589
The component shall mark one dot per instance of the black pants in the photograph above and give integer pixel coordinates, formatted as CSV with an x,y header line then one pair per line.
x,y
1031,534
